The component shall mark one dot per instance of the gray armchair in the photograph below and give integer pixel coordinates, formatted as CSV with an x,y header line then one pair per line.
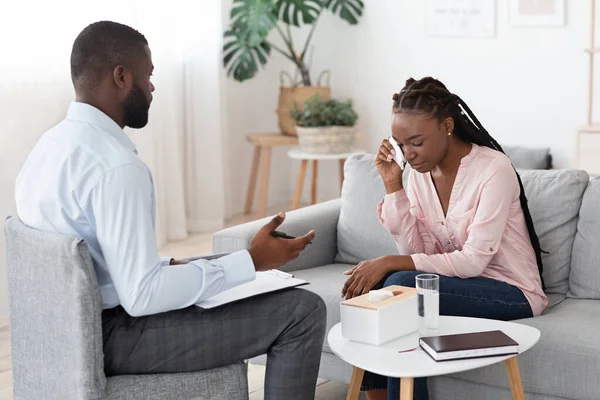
x,y
56,330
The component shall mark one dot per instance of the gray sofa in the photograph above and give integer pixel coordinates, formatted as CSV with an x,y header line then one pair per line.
x,y
565,364
56,331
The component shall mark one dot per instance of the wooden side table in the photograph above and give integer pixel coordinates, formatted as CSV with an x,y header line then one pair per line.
x,y
305,157
263,142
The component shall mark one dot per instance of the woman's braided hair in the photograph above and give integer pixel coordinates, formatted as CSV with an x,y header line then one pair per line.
x,y
430,96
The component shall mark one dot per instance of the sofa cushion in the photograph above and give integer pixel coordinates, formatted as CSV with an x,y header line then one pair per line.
x,y
529,158
584,279
327,281
554,198
565,362
360,235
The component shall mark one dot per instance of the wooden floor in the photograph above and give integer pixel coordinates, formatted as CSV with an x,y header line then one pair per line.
x,y
194,245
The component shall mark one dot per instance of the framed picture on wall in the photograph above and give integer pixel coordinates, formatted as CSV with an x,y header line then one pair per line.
x,y
461,18
536,12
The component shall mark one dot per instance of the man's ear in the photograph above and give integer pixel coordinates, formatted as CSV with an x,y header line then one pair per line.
x,y
122,78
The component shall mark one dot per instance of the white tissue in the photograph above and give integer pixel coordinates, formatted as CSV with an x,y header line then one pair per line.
x,y
380,295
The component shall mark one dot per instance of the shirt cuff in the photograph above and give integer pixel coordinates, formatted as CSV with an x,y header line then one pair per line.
x,y
421,263
164,261
238,268
399,196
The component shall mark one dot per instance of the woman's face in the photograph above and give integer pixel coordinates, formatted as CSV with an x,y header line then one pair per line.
x,y
423,139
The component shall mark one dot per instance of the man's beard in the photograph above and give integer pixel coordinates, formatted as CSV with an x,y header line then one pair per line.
x,y
136,108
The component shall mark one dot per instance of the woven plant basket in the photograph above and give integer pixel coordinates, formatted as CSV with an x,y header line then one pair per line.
x,y
289,94
327,139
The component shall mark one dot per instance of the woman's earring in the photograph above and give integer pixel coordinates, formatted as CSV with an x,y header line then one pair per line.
x,y
449,133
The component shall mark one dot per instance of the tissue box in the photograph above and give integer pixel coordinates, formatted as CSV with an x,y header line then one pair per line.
x,y
379,322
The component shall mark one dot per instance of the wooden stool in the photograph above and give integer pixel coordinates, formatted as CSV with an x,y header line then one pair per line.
x,y
263,142
304,157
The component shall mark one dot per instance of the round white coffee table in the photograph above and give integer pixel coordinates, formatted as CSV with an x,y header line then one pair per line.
x,y
304,157
389,360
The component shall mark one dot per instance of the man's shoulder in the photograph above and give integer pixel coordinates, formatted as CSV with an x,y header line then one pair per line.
x,y
90,145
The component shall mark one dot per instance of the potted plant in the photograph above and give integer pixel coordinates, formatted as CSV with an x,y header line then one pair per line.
x,y
325,126
246,47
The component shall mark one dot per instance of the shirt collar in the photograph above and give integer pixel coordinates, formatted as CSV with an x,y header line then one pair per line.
x,y
83,112
469,157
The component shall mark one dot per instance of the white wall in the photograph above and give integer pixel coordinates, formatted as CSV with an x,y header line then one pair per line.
x,y
527,85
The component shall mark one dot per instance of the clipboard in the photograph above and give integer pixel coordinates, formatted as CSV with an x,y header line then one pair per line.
x,y
265,282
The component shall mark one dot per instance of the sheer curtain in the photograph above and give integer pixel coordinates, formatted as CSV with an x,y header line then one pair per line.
x,y
182,143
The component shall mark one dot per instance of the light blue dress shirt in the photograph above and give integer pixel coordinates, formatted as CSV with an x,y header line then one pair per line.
x,y
84,178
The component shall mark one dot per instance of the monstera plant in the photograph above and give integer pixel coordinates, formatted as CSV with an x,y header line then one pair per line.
x,y
246,47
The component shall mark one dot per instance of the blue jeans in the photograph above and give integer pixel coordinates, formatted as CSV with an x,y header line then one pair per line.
x,y
472,297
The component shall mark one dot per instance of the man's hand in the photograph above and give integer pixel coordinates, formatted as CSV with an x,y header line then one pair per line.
x,y
270,252
364,276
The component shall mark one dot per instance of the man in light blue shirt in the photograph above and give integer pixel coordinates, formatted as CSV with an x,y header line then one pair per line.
x,y
84,178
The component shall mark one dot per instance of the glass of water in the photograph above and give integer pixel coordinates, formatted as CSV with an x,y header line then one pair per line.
x,y
428,300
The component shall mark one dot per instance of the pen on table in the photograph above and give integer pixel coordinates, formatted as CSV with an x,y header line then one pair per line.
x,y
407,350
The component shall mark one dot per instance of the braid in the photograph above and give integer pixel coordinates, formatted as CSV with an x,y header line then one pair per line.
x,y
430,96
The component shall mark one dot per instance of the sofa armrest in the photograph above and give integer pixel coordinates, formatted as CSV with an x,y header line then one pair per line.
x,y
322,217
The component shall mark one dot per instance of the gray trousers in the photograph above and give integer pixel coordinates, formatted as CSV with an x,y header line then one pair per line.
x,y
288,326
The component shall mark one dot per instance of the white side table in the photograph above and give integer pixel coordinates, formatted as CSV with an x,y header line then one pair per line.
x,y
386,359
304,157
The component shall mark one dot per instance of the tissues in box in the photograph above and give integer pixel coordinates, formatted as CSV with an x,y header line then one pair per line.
x,y
379,321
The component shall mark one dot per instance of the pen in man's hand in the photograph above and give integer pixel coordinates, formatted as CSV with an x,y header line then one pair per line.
x,y
283,235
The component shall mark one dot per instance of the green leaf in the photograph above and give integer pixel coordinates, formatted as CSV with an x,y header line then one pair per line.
x,y
252,20
243,60
318,112
290,11
349,10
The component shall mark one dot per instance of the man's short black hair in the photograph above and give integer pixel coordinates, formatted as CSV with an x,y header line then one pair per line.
x,y
100,47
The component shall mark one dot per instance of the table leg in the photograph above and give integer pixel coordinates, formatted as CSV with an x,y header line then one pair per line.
x,y
264,181
342,161
315,171
407,386
299,184
355,382
252,182
514,378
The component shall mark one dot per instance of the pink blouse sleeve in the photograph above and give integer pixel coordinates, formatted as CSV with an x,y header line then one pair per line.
x,y
484,233
410,234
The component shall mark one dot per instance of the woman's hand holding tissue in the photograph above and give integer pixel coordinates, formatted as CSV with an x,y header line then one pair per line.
x,y
368,273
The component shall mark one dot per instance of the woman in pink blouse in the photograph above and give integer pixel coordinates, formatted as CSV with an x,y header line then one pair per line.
x,y
463,215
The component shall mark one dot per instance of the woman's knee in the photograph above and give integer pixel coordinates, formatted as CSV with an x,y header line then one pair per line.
x,y
402,278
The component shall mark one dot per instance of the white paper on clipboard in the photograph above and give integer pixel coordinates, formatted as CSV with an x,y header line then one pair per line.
x,y
265,282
